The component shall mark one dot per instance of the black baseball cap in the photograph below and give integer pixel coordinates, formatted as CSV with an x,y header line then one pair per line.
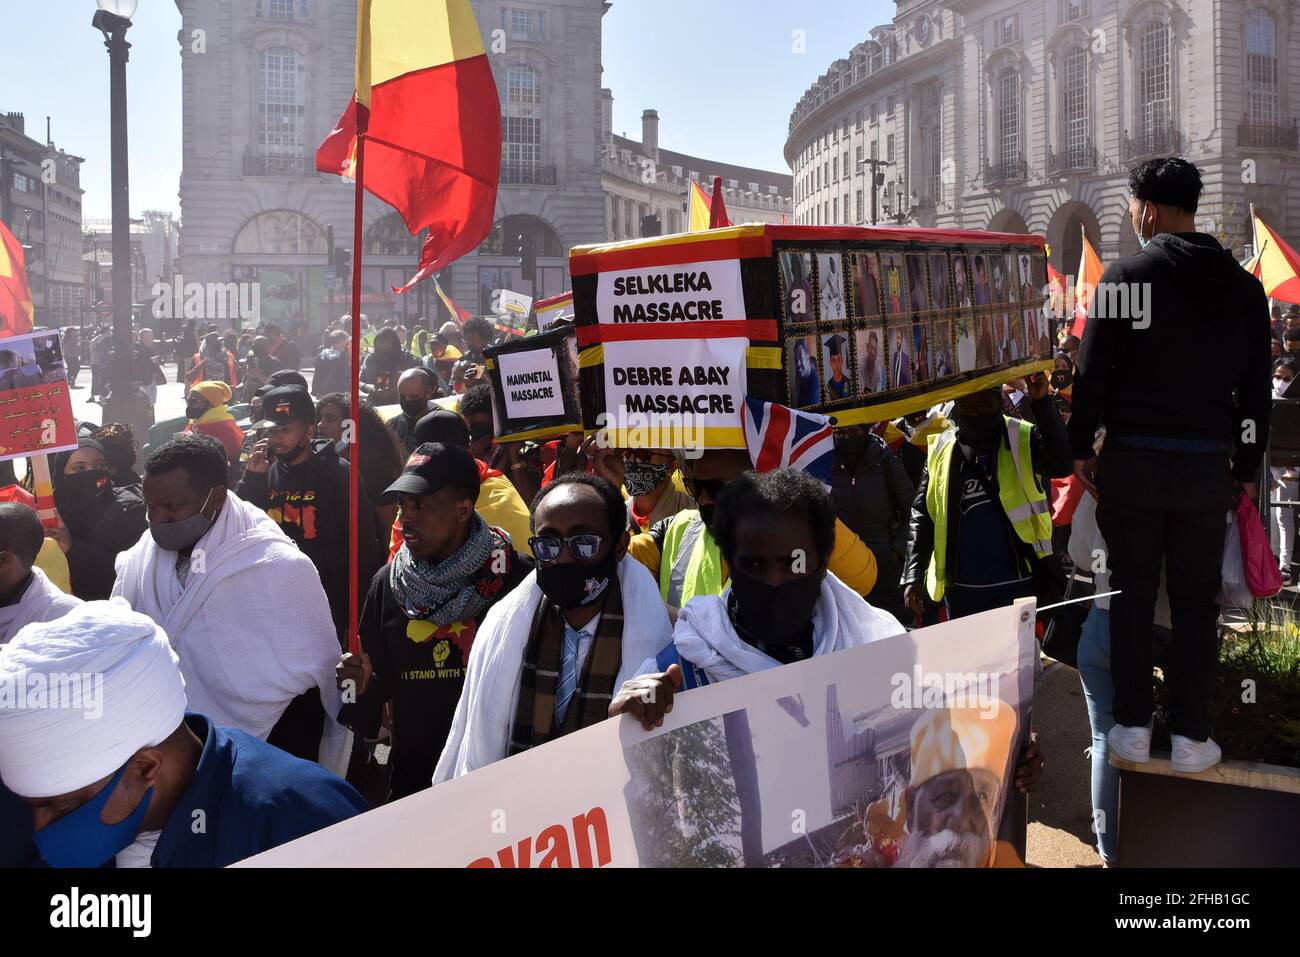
x,y
284,377
435,466
442,425
286,405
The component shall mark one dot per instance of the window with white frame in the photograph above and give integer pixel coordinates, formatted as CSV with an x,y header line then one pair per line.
x,y
1074,102
521,143
1155,103
1007,30
524,24
281,102
1008,113
1261,67
1072,10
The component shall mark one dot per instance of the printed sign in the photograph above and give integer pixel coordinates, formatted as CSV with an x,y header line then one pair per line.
x,y
899,753
531,384
551,311
675,393
682,294
35,405
534,384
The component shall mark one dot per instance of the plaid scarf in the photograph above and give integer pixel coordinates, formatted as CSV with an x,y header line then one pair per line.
x,y
458,589
535,716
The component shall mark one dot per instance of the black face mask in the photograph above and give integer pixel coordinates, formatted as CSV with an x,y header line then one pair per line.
x,y
577,585
81,498
415,408
193,411
980,431
479,431
706,514
776,615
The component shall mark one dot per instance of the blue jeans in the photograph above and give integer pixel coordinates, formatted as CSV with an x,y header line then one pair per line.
x,y
1099,692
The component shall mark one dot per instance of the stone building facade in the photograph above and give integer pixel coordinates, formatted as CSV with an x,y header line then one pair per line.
x,y
1027,116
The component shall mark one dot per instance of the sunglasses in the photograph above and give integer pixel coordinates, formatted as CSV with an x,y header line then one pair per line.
x,y
547,548
711,487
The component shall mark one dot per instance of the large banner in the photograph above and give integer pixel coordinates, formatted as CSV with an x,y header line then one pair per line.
x,y
862,325
35,405
900,753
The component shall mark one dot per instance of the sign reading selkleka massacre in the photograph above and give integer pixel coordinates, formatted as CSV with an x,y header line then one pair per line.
x,y
687,293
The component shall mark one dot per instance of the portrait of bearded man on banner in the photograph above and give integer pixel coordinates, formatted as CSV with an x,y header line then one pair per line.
x,y
952,805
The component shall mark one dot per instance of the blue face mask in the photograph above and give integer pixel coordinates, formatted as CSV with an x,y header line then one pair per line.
x,y
82,839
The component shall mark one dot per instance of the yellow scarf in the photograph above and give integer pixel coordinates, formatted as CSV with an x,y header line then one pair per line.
x,y
218,413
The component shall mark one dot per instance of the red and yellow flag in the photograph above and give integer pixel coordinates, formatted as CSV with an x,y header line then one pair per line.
x,y
1090,270
428,107
16,312
699,206
462,315
1276,265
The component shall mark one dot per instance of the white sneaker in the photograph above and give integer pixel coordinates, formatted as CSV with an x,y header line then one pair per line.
x,y
1191,756
1131,744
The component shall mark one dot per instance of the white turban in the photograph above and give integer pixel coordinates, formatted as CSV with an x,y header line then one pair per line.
x,y
79,695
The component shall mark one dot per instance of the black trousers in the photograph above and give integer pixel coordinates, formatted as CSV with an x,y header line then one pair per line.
x,y
1165,508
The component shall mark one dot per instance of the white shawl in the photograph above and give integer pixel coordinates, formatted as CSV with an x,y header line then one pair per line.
x,y
480,730
251,626
841,619
43,601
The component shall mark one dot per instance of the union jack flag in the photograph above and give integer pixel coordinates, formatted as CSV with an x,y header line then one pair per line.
x,y
779,438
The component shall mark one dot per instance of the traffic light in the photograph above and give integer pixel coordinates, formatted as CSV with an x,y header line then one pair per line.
x,y
528,257
342,265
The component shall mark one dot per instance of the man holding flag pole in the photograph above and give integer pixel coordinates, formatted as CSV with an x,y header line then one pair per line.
x,y
421,68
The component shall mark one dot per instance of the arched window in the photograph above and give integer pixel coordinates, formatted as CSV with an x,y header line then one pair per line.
x,y
388,237
1261,67
1155,94
281,232
1008,113
1074,105
281,103
509,234
522,140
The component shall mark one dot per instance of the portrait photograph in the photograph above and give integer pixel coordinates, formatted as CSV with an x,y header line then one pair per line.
x,y
830,287
865,273
796,274
873,373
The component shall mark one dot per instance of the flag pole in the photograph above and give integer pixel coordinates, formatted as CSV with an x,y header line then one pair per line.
x,y
354,446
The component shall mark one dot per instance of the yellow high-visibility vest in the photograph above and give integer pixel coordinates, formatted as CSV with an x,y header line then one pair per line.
x,y
1023,500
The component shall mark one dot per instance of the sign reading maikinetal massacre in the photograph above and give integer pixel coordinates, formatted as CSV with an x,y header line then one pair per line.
x,y
535,386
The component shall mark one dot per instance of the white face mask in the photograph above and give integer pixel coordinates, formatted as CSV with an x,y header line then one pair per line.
x,y
1143,242
1280,386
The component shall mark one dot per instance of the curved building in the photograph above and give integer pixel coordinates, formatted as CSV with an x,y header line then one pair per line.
x,y
1027,116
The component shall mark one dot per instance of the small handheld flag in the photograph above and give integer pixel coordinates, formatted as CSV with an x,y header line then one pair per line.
x,y
779,437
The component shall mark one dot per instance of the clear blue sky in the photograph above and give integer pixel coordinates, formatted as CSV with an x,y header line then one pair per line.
x,y
721,73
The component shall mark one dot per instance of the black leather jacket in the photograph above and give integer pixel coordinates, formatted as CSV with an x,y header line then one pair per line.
x,y
1050,447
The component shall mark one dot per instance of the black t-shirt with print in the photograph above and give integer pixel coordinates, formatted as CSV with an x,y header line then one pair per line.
x,y
420,669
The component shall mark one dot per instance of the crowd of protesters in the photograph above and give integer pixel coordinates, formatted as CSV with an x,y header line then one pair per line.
x,y
512,592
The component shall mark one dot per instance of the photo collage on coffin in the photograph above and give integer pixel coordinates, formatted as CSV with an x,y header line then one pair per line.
x,y
870,349
898,318
799,328
833,328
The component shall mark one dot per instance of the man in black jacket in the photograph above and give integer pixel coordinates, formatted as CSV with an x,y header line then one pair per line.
x,y
873,497
423,611
1181,381
303,486
966,546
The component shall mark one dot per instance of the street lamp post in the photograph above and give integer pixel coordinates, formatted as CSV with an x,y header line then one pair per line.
x,y
125,403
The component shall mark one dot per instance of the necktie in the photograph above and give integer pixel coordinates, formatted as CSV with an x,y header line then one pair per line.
x,y
568,682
